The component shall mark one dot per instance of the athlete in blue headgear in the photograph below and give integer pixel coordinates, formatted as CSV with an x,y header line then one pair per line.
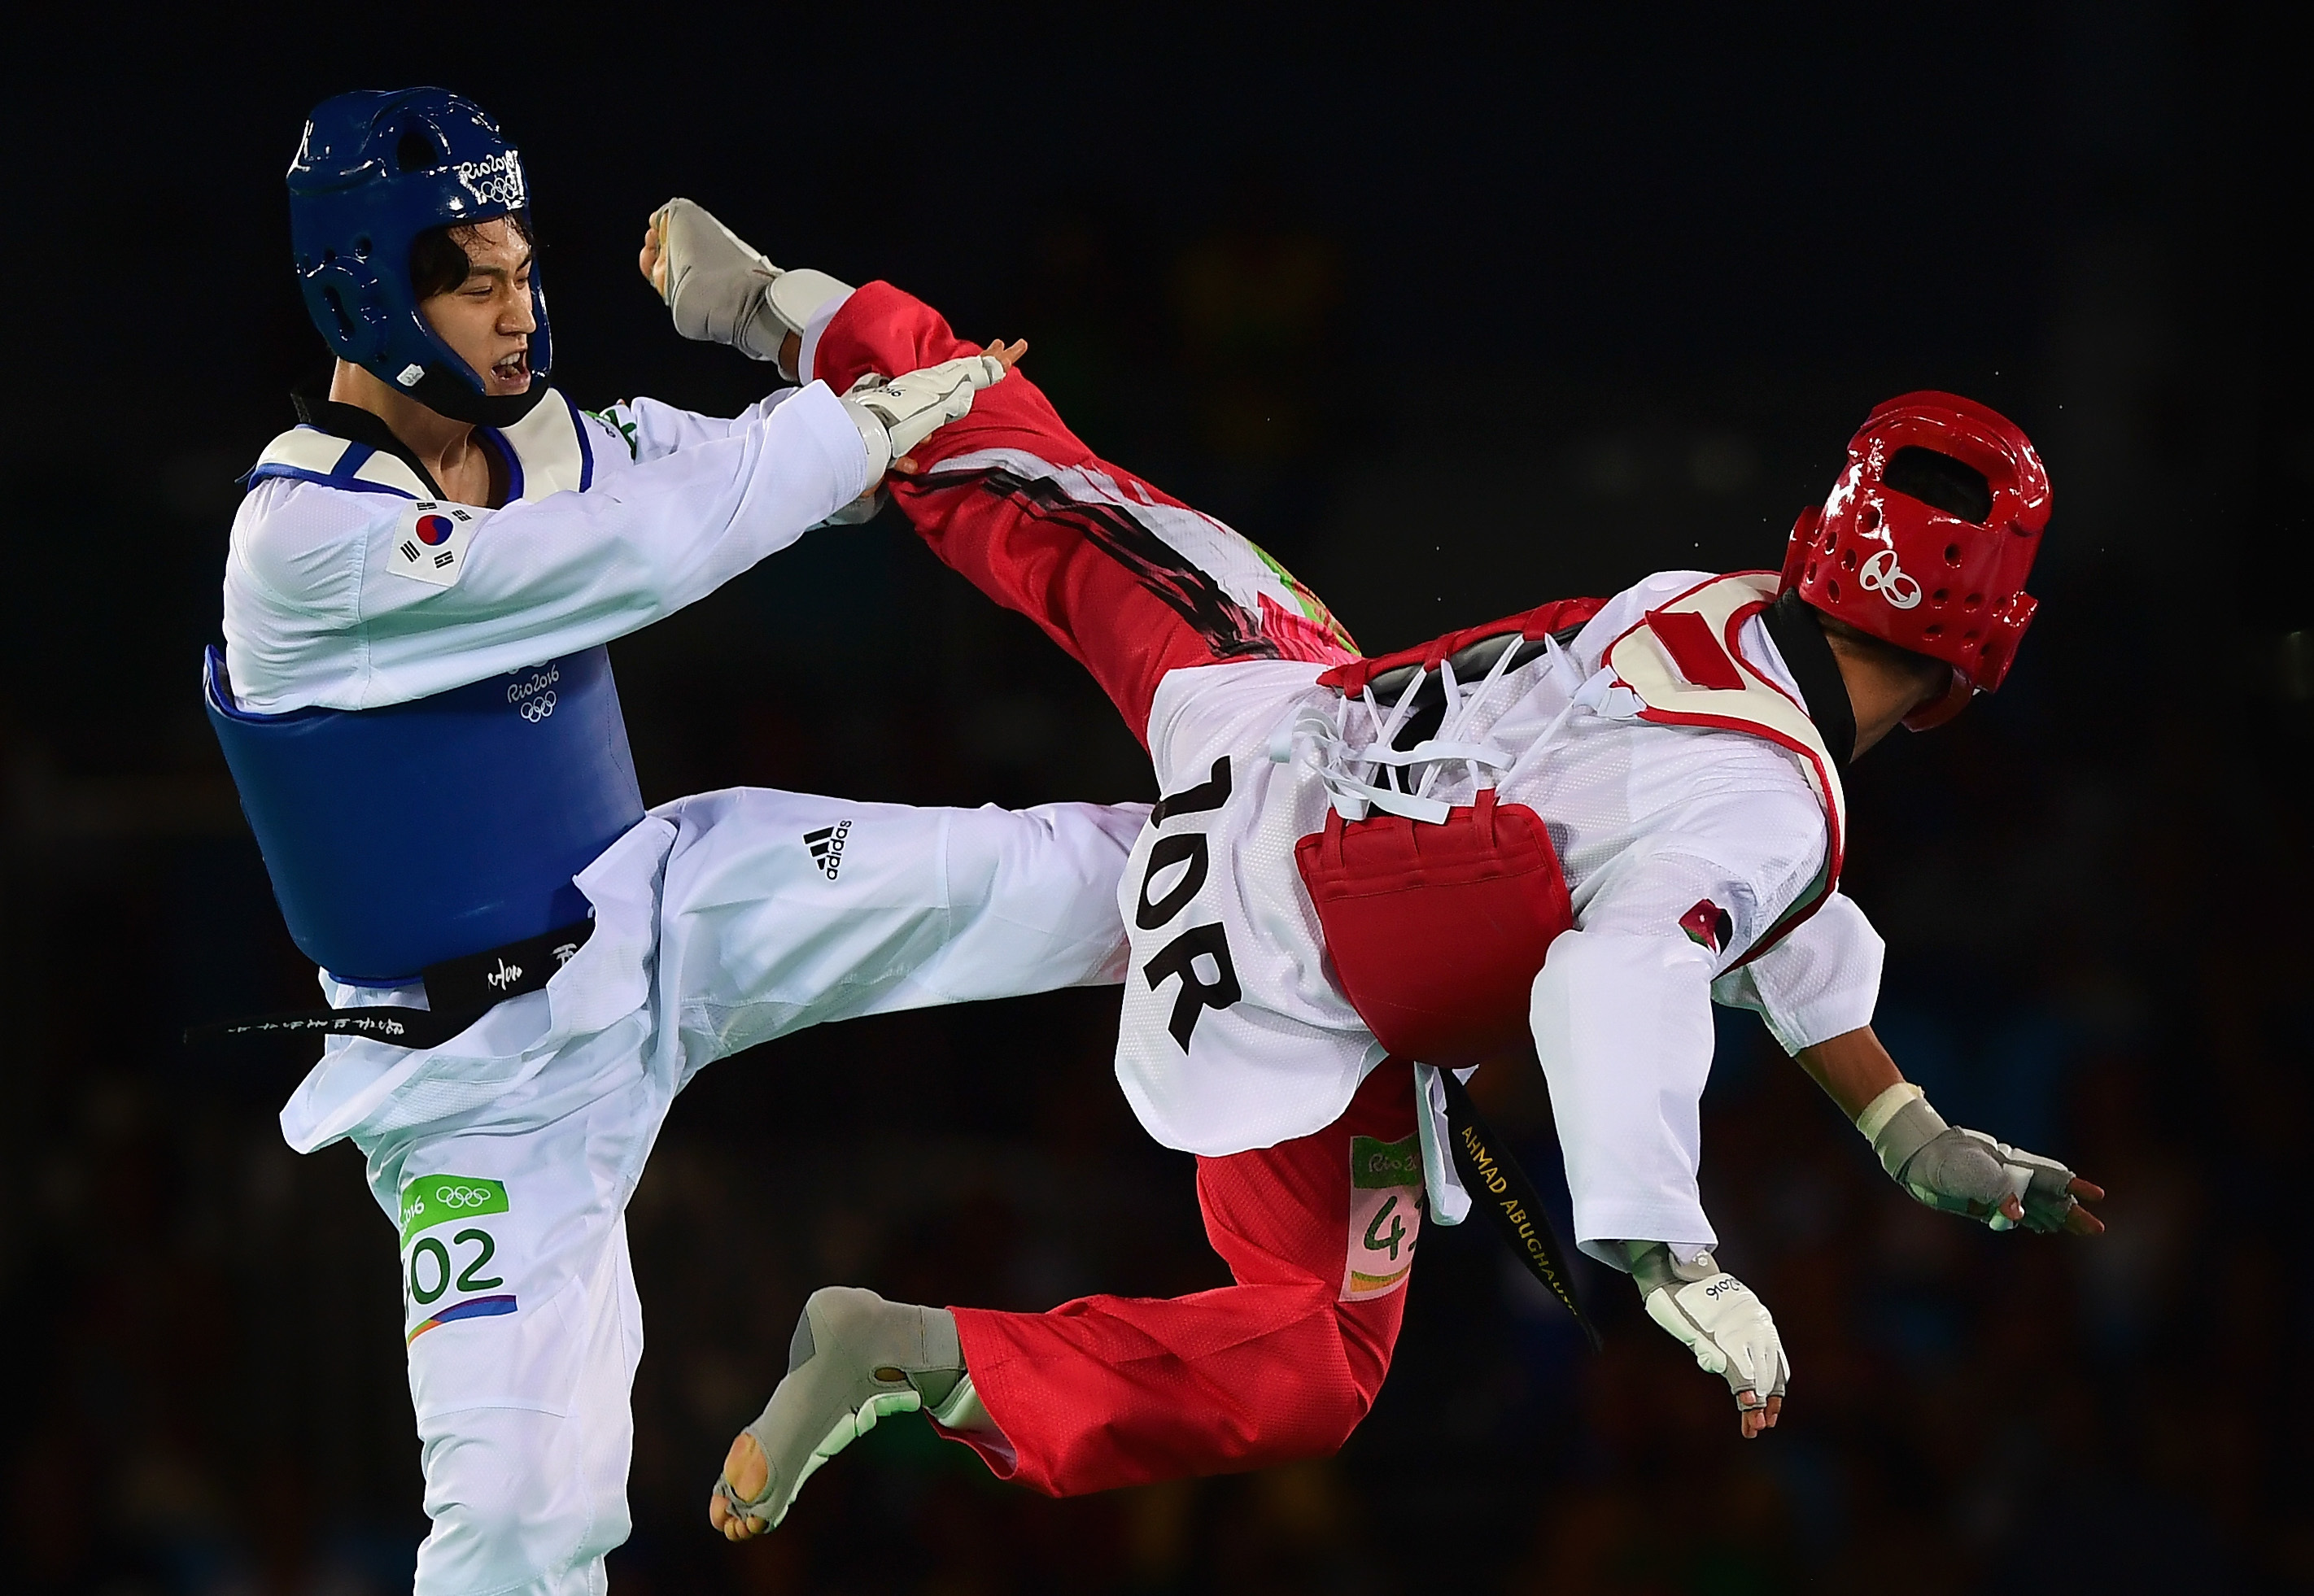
x,y
523,966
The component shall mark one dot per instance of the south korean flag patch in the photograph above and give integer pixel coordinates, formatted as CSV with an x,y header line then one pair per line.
x,y
429,542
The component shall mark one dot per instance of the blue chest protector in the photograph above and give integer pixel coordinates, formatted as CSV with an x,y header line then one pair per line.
x,y
405,836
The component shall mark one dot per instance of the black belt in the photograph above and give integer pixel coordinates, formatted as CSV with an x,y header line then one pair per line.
x,y
458,992
1495,1183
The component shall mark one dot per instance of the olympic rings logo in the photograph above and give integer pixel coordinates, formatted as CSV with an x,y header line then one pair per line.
x,y
494,180
536,709
454,1198
1883,576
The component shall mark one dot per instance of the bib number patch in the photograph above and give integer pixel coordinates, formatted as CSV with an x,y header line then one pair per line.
x,y
429,542
449,1250
1385,1216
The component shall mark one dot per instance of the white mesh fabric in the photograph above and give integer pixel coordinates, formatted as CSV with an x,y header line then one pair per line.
x,y
1822,981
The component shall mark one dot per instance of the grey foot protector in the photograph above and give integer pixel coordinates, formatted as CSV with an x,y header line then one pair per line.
x,y
855,1358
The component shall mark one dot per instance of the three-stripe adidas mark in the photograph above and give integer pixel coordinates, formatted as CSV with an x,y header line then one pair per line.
x,y
826,846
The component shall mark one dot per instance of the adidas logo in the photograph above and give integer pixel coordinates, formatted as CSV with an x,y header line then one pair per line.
x,y
826,846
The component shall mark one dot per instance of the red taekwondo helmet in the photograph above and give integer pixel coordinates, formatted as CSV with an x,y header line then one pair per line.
x,y
1927,537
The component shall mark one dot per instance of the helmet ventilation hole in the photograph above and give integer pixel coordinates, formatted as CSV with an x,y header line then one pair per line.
x,y
1871,517
1940,597
1832,589
1971,635
1848,559
1971,600
1810,575
338,310
416,153
361,247
1934,629
1952,553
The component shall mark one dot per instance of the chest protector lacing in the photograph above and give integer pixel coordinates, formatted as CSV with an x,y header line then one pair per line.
x,y
1437,917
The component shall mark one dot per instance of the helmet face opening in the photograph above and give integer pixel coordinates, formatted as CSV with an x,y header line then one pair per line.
x,y
1940,481
1926,538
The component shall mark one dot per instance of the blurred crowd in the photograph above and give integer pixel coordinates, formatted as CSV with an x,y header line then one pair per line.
x,y
2091,889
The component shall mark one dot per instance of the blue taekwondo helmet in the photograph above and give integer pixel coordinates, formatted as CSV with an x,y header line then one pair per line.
x,y
375,169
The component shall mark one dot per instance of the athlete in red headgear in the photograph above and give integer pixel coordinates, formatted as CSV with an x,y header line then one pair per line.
x,y
1579,825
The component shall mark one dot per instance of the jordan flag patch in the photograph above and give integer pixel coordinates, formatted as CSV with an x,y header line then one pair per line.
x,y
1708,925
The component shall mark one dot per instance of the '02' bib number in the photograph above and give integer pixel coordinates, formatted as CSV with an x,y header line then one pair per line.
x,y
448,1245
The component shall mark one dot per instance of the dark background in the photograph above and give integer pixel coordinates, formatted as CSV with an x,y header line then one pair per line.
x,y
1454,313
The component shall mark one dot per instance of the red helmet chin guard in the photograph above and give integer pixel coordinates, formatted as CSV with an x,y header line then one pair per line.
x,y
1942,574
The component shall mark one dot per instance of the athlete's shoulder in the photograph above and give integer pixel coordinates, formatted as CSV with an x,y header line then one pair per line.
x,y
313,456
293,536
617,427
1662,587
1699,763
1627,608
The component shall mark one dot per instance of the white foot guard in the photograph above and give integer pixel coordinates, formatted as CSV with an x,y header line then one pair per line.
x,y
855,1358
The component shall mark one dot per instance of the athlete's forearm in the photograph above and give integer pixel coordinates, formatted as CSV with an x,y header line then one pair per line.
x,y
1946,1167
1852,1068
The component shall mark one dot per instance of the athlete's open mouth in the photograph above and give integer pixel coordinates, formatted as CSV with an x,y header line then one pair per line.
x,y
514,371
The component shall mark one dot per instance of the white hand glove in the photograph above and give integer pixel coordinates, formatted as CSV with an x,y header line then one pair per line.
x,y
723,290
1718,1318
1960,1172
894,415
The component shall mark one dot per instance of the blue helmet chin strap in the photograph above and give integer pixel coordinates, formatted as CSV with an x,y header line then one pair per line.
x,y
375,170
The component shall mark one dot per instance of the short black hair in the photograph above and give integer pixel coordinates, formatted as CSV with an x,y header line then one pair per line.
x,y
439,261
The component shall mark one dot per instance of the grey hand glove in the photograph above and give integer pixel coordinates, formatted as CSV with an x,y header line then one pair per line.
x,y
721,289
1960,1172
1716,1317
895,414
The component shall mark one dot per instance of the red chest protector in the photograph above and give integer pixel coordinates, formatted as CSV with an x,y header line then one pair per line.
x,y
1437,932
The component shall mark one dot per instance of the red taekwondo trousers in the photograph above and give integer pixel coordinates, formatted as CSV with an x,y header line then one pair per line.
x,y
1106,1390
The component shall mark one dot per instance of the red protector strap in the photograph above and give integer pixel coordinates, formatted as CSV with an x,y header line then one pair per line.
x,y
1687,637
1351,678
1437,932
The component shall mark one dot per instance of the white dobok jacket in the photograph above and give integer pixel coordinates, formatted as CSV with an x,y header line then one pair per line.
x,y
1649,821
642,510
